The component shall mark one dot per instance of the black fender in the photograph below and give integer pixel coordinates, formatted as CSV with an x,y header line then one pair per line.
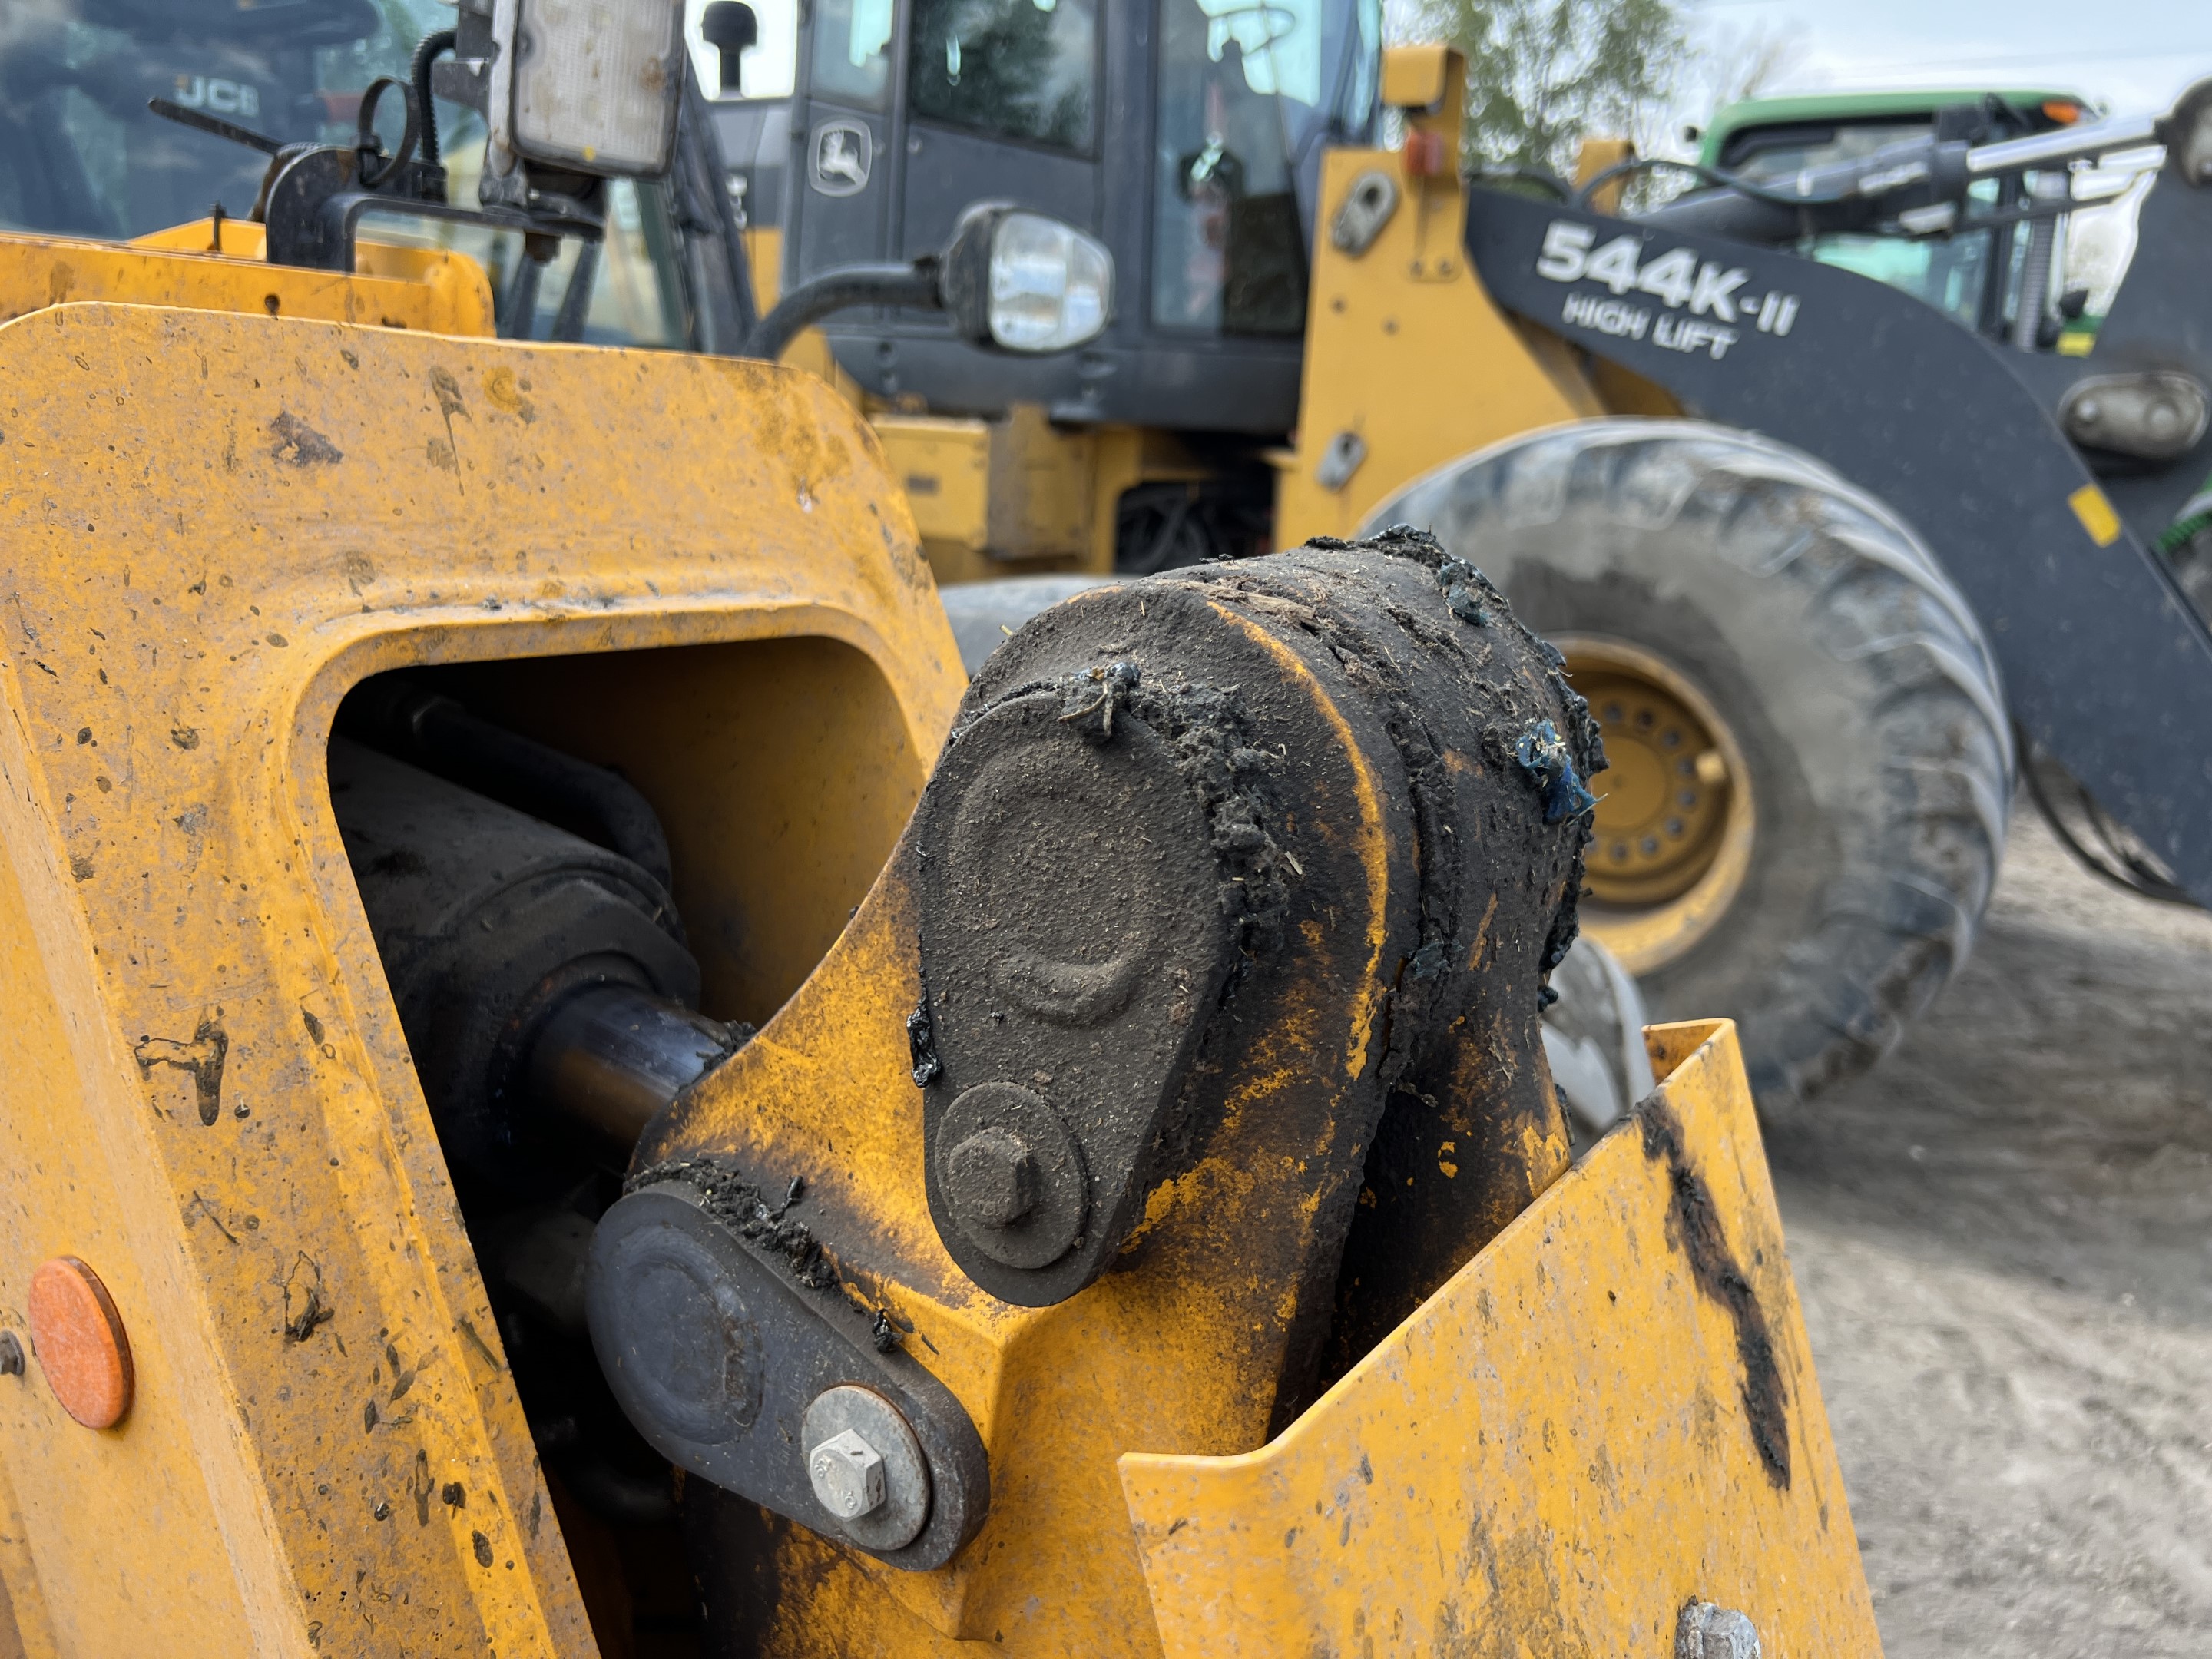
x,y
2107,664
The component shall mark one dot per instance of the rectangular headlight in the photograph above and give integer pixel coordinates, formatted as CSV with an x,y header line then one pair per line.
x,y
595,82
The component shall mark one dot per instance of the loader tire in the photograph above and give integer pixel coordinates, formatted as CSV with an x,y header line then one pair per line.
x,y
1819,868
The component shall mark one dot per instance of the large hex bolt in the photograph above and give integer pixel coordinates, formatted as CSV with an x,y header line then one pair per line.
x,y
991,1178
866,1466
848,1474
1010,1176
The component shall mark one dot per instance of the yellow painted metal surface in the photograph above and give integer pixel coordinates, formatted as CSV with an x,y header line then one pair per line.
x,y
2095,509
782,770
1592,157
764,259
1414,76
943,463
26,1632
1405,352
428,292
216,526
1555,1453
1020,494
242,238
1041,488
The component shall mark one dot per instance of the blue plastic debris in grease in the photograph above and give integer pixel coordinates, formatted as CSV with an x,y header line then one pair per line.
x,y
1544,756
1465,588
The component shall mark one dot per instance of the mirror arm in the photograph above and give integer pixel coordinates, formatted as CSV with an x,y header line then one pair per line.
x,y
914,288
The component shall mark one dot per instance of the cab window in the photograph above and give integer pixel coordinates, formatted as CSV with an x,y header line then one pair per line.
x,y
82,155
1950,274
1776,153
852,60
1238,81
768,70
1014,68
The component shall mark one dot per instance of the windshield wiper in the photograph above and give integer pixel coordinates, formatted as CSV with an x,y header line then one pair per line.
x,y
214,124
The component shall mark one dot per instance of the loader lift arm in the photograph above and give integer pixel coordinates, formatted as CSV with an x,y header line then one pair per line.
x,y
2106,661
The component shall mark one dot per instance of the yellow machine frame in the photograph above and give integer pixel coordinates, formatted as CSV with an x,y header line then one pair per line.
x,y
216,524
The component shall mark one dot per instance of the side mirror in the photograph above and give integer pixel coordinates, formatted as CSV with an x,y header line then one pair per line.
x,y
1024,283
732,29
592,89
1010,280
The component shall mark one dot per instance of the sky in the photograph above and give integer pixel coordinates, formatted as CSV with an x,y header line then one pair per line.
x,y
2134,55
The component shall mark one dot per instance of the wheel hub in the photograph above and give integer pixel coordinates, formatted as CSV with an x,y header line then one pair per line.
x,y
1671,838
1664,797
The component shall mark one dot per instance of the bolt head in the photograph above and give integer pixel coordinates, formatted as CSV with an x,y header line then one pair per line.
x,y
993,1177
848,1475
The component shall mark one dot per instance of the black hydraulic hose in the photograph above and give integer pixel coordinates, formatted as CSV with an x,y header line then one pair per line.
x,y
914,286
1714,176
439,735
373,168
428,51
2124,870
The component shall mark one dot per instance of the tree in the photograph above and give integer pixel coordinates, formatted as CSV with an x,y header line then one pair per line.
x,y
1542,74
1738,63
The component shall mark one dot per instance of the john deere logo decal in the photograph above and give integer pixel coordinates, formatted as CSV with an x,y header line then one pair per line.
x,y
842,150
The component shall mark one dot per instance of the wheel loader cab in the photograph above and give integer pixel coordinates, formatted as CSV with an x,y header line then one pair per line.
x,y
1186,134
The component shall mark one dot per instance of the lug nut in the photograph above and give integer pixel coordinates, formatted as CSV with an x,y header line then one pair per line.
x,y
847,1474
992,1178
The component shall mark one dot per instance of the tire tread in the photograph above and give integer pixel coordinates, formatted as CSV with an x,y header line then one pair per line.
x,y
1876,597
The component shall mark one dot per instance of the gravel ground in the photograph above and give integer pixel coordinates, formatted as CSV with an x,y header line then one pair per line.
x,y
2003,1241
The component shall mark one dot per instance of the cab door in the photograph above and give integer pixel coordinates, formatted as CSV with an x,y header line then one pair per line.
x,y
1002,103
839,187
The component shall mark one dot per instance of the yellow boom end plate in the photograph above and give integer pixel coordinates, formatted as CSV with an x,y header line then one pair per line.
x,y
1607,1413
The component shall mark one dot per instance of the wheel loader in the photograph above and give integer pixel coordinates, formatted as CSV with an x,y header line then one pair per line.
x,y
1825,563
574,1086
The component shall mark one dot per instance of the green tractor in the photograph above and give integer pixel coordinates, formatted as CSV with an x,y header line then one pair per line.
x,y
1981,277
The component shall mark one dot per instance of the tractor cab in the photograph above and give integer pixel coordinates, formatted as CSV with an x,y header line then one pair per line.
x,y
1975,276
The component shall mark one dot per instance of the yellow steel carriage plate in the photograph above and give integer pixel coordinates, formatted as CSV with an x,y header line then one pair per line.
x,y
1609,1413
